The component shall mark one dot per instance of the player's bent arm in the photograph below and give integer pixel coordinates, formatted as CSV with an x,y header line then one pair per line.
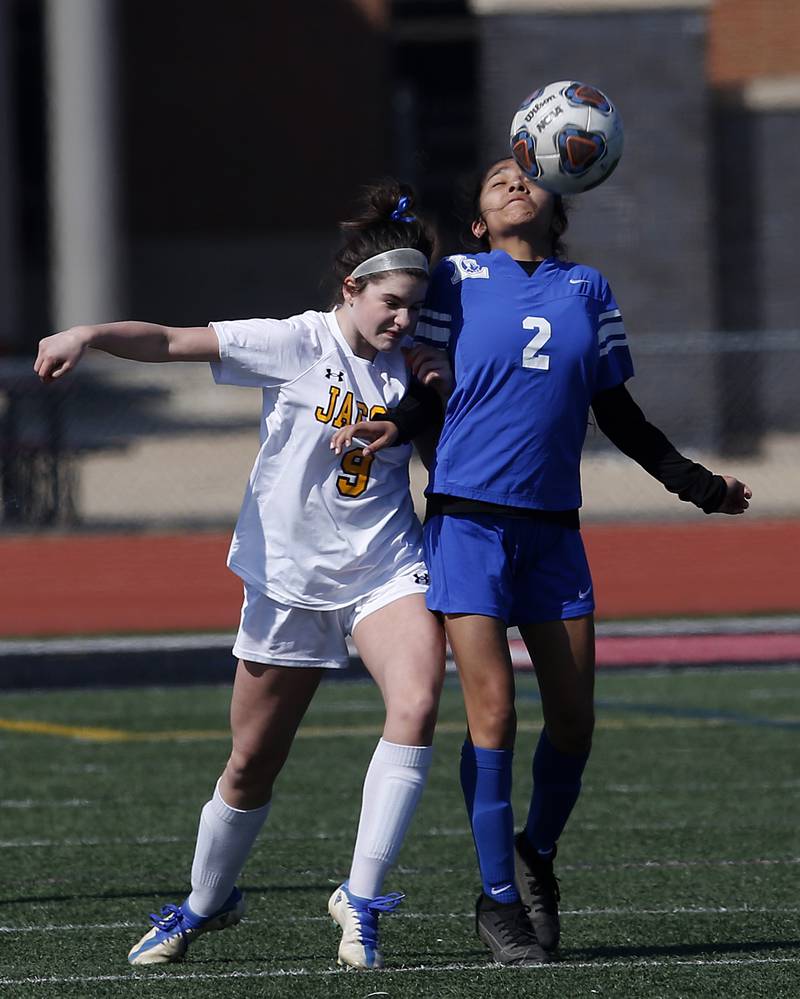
x,y
135,341
432,368
425,445
379,434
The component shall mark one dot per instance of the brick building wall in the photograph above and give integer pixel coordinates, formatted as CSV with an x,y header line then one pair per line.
x,y
749,39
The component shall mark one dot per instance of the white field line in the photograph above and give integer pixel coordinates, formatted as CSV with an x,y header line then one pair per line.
x,y
460,832
34,803
324,837
641,788
14,844
647,787
561,968
423,916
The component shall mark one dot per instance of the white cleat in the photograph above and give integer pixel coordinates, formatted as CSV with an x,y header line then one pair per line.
x,y
177,926
358,919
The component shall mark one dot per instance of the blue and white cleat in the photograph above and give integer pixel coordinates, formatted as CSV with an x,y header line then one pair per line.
x,y
358,918
171,933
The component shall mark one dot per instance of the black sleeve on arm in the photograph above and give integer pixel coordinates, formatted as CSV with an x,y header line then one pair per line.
x,y
625,425
420,409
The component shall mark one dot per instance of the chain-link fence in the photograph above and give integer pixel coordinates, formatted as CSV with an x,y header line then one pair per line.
x,y
121,445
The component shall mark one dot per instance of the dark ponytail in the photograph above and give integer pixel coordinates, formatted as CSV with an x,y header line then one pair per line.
x,y
374,231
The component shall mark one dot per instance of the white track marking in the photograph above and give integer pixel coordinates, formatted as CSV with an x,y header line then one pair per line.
x,y
224,640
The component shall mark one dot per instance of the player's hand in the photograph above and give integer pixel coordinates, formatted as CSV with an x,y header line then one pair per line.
x,y
431,367
737,498
59,353
375,435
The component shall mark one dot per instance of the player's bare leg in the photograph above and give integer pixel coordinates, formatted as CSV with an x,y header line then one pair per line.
x,y
563,655
402,646
267,705
480,648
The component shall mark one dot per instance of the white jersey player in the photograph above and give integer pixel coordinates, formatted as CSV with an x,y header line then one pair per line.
x,y
327,545
313,384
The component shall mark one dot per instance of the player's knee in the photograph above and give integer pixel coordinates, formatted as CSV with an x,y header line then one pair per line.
x,y
572,733
494,726
414,713
249,771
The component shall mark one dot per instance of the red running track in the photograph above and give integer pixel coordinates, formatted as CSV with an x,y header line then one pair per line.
x,y
689,650
134,584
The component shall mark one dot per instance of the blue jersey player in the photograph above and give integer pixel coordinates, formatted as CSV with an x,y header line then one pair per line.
x,y
535,342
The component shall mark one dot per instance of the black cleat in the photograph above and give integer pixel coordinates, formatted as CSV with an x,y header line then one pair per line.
x,y
538,889
506,931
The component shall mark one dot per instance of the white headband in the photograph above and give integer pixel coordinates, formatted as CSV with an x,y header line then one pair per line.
x,y
392,260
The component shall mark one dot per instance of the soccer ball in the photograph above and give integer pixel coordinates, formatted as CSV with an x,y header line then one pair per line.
x,y
567,137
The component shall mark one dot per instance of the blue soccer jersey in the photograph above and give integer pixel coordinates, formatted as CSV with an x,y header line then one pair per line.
x,y
529,353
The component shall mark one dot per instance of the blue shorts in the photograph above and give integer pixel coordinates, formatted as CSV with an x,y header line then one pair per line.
x,y
520,570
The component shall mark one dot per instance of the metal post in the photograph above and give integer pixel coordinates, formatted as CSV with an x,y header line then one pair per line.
x,y
9,332
83,161
84,204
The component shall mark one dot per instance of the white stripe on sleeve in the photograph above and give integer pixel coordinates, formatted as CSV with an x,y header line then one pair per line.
x,y
442,317
436,334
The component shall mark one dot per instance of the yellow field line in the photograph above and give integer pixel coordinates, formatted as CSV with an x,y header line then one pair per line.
x,y
87,733
68,731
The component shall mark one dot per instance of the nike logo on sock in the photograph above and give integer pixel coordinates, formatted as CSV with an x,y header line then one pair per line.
x,y
499,891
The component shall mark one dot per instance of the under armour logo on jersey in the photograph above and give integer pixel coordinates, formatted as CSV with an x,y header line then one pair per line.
x,y
422,579
331,374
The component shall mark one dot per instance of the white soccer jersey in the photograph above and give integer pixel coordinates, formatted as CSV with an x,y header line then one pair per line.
x,y
317,529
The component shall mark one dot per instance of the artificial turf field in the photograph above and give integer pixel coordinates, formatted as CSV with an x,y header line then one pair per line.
x,y
679,868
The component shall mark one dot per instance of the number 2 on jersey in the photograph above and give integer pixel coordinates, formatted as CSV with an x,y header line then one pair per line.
x,y
531,358
355,467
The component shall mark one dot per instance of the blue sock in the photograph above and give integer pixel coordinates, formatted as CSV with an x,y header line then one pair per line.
x,y
486,783
556,786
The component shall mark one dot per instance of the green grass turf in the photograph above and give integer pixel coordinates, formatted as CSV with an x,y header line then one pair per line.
x,y
679,867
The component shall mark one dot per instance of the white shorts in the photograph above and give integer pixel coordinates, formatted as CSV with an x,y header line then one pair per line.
x,y
279,635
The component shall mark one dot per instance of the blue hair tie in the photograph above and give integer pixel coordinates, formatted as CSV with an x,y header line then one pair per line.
x,y
399,214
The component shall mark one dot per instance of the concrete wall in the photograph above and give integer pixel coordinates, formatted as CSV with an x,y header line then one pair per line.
x,y
647,227
242,131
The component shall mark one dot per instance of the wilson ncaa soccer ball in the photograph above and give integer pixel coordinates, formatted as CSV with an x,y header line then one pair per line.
x,y
567,137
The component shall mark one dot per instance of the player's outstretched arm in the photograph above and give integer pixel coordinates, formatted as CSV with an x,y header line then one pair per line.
x,y
59,353
623,422
377,433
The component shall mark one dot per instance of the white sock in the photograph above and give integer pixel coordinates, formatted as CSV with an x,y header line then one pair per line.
x,y
392,788
224,839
